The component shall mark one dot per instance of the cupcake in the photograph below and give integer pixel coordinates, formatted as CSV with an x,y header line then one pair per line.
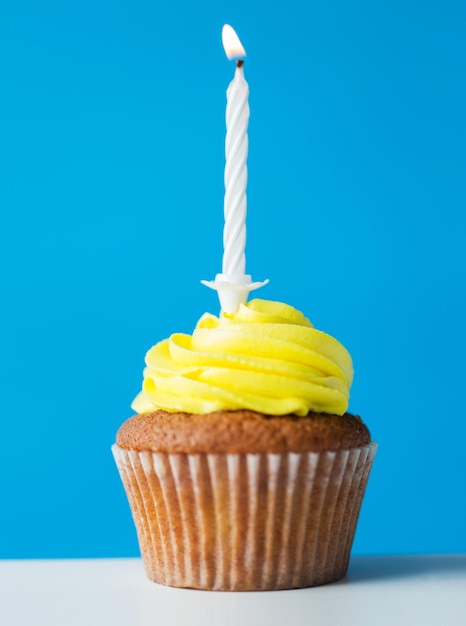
x,y
242,467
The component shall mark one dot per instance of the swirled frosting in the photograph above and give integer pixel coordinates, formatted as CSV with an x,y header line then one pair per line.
x,y
266,357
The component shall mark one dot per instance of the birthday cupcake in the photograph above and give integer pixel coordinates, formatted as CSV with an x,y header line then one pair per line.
x,y
242,467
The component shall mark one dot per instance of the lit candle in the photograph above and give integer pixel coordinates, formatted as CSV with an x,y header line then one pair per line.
x,y
233,285
236,154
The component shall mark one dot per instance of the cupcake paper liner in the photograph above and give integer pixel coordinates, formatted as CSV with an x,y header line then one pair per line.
x,y
245,521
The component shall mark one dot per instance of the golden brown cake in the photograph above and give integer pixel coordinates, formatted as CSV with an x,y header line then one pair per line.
x,y
241,432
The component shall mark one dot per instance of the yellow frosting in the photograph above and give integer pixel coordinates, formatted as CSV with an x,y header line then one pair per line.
x,y
266,357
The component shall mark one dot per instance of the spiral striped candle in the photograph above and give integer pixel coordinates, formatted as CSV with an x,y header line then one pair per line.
x,y
233,284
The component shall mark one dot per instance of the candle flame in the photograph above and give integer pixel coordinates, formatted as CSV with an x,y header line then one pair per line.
x,y
231,43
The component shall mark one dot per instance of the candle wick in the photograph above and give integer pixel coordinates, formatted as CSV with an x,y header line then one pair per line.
x,y
239,63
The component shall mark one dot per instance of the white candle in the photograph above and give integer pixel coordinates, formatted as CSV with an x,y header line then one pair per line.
x,y
236,154
233,284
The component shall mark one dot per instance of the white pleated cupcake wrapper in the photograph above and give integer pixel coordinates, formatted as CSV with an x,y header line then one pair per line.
x,y
245,521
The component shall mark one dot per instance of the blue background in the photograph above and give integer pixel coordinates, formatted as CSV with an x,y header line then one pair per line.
x,y
111,195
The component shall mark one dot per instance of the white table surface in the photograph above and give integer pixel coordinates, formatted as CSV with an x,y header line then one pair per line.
x,y
378,591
